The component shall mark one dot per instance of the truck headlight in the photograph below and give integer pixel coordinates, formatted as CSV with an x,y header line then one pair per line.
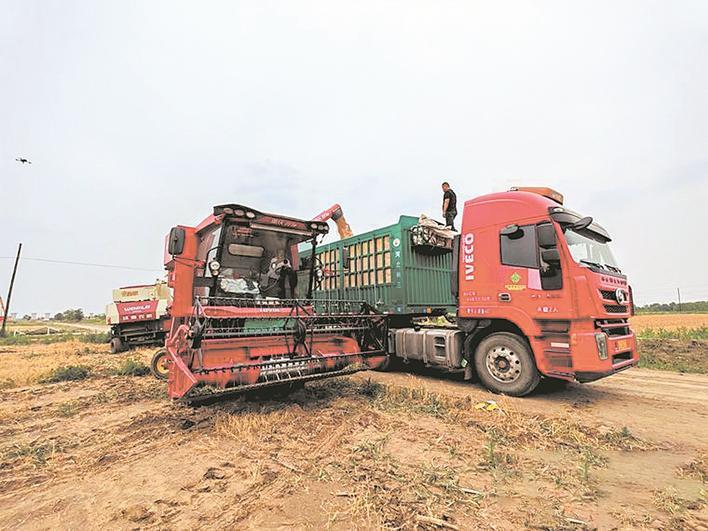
x,y
601,340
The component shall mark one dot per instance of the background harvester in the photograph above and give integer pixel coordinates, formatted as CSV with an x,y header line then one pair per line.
x,y
138,316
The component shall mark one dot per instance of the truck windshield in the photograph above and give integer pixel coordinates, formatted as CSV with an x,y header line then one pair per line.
x,y
589,251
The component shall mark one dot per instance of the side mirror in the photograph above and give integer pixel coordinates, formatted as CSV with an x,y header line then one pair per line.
x,y
345,258
176,243
550,256
546,235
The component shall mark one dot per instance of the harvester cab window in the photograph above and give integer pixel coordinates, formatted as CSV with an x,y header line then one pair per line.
x,y
257,263
519,246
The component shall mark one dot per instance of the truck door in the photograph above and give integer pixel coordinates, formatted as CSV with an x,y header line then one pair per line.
x,y
519,275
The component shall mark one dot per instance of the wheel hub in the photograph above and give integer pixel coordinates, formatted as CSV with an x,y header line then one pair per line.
x,y
503,364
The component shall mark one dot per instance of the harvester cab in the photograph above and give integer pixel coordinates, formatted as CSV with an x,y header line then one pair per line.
x,y
242,314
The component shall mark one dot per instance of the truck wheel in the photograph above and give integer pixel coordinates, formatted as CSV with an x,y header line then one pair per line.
x,y
116,345
159,366
505,364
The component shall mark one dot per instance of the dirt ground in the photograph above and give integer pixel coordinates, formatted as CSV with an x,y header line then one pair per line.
x,y
411,450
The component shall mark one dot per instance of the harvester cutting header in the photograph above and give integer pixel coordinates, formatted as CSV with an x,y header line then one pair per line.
x,y
242,314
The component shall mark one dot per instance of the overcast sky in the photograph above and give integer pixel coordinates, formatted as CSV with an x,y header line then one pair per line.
x,y
141,115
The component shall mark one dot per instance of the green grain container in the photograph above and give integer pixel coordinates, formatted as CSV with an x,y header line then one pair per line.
x,y
385,269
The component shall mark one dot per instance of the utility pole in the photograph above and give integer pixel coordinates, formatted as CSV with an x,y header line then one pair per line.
x,y
9,293
678,290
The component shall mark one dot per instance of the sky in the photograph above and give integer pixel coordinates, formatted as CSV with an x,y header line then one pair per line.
x,y
139,116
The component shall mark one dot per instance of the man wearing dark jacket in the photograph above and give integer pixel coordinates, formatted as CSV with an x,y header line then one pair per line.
x,y
449,208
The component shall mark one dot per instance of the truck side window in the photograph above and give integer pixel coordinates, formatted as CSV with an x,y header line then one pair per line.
x,y
519,248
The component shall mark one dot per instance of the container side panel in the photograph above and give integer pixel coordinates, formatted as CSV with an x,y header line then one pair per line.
x,y
382,268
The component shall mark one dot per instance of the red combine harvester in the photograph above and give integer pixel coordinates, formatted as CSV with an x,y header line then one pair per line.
x,y
138,316
239,320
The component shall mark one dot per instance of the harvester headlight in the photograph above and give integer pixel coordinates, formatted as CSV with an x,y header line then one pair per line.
x,y
239,212
601,340
214,267
250,215
314,226
228,210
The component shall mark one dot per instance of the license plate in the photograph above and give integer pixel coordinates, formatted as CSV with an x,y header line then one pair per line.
x,y
622,344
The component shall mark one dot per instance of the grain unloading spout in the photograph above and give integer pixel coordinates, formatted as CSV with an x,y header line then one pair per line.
x,y
336,214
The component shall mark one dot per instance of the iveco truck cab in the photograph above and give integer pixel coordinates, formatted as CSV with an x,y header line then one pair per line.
x,y
539,293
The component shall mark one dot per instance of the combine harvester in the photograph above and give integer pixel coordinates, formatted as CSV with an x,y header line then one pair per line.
x,y
533,286
138,316
242,314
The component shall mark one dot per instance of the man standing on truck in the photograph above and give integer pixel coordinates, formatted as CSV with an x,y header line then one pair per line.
x,y
449,209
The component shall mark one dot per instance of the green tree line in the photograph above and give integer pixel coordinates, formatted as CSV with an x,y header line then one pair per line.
x,y
662,307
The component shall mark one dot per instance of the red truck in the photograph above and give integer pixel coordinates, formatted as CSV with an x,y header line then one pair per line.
x,y
540,293
535,291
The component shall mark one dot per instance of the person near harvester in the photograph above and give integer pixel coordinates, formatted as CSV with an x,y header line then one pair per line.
x,y
449,209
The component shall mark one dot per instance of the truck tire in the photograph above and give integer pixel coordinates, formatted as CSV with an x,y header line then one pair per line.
x,y
505,364
159,365
116,345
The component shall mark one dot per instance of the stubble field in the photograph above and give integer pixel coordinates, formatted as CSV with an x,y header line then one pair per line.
x,y
102,447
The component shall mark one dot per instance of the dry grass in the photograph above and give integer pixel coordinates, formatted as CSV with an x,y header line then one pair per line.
x,y
348,452
668,321
254,426
27,365
382,480
506,424
697,468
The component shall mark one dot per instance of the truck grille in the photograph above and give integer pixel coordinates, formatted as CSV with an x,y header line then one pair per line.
x,y
611,295
608,295
615,308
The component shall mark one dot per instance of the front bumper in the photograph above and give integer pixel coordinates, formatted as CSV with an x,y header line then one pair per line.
x,y
591,354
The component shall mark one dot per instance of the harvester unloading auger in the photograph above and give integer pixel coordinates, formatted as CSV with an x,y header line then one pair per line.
x,y
240,321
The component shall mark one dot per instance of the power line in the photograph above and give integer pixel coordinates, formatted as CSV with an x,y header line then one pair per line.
x,y
111,266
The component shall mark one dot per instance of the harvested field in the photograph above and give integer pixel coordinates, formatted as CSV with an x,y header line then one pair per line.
x,y
395,450
668,321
